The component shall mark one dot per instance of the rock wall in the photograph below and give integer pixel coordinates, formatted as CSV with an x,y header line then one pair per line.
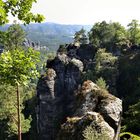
x,y
59,97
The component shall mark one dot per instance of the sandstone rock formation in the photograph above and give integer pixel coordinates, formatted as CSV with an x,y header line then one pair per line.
x,y
95,107
66,107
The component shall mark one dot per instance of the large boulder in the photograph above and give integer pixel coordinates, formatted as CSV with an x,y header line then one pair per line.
x,y
95,108
79,128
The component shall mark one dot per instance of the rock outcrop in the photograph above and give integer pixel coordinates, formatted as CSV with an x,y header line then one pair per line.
x,y
96,108
66,107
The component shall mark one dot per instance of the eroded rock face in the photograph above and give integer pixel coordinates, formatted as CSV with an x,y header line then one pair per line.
x,y
55,92
96,108
63,101
74,128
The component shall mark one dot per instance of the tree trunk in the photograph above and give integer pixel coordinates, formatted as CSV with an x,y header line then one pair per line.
x,y
18,113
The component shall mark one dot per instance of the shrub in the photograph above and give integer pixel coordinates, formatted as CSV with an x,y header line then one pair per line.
x,y
101,83
91,133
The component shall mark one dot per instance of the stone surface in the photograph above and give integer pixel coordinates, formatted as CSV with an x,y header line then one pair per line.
x,y
102,109
64,100
55,92
74,127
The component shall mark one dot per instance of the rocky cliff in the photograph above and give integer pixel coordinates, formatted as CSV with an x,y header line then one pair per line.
x,y
66,106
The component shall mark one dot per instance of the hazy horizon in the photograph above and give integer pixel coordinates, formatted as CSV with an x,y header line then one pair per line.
x,y
87,12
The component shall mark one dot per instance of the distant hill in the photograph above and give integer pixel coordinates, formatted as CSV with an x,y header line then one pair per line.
x,y
51,34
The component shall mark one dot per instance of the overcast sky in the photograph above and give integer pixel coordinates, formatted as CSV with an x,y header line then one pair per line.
x,y
88,11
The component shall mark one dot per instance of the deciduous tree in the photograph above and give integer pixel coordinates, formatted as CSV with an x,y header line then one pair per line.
x,y
13,37
134,32
80,37
17,68
20,9
111,35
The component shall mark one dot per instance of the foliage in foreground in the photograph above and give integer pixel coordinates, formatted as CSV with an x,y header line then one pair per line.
x,y
8,112
91,134
18,66
129,136
20,9
13,37
132,119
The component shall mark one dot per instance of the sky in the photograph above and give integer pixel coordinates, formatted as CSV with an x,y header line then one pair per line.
x,y
88,11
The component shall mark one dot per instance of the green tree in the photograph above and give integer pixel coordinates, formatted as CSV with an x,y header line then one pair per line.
x,y
17,68
108,35
13,37
120,38
80,37
134,32
100,34
132,119
8,112
30,102
105,67
19,8
101,83
104,60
